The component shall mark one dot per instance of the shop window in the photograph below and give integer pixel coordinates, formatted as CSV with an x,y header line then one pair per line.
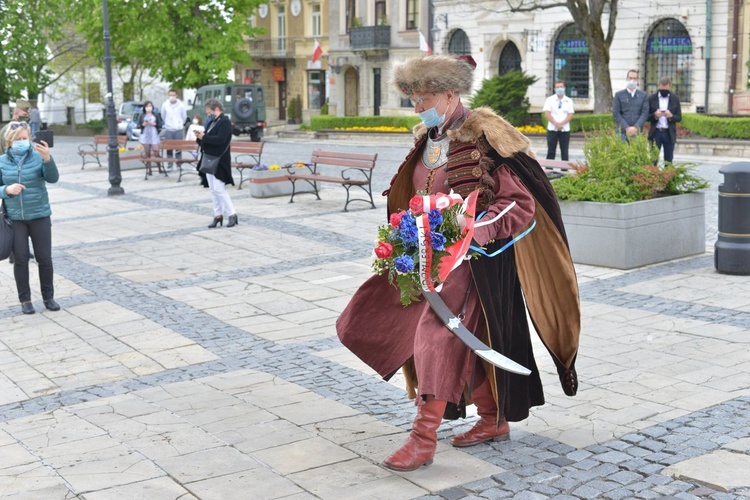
x,y
571,62
669,52
316,89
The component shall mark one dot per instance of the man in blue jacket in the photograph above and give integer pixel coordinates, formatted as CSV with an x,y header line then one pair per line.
x,y
630,107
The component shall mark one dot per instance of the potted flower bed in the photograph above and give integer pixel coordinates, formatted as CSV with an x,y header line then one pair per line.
x,y
266,181
622,211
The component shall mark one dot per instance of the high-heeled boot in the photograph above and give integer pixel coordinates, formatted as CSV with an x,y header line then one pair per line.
x,y
218,221
233,221
487,428
419,448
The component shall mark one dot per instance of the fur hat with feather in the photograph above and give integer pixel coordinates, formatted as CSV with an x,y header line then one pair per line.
x,y
432,74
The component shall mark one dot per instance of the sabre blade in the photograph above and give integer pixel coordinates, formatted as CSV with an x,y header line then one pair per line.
x,y
502,362
453,323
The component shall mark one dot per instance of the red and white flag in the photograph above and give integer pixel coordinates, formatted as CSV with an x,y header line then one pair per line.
x,y
317,51
423,45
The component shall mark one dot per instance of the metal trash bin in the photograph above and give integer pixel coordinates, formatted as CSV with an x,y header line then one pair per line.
x,y
732,249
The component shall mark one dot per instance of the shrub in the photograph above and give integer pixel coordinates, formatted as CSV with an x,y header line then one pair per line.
x,y
291,109
616,171
330,122
717,126
98,124
587,122
507,96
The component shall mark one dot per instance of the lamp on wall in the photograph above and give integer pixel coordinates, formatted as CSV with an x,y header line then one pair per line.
x,y
436,29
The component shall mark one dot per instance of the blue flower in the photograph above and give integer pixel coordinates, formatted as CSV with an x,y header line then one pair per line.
x,y
438,241
436,218
404,264
408,230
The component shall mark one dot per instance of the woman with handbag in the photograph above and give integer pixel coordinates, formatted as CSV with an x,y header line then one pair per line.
x,y
215,165
25,170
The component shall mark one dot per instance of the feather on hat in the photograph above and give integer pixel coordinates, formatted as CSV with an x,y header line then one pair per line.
x,y
432,74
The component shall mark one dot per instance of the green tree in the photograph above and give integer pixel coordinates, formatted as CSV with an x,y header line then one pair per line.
x,y
32,37
507,96
187,42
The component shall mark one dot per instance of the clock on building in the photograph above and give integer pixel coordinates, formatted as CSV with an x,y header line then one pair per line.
x,y
263,10
296,7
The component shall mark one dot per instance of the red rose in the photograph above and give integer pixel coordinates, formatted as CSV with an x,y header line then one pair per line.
x,y
396,219
383,250
416,205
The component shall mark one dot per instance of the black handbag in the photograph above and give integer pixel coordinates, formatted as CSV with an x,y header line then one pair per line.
x,y
6,234
209,164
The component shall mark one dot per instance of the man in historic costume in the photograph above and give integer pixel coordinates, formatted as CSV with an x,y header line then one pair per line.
x,y
462,150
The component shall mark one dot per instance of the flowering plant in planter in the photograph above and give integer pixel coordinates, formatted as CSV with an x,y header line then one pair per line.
x,y
421,245
617,171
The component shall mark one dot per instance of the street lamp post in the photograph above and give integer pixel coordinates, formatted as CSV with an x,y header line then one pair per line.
x,y
115,178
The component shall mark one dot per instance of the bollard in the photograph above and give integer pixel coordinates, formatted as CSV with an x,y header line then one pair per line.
x,y
732,249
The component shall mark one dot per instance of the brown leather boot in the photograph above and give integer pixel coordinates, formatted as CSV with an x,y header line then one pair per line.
x,y
419,448
486,429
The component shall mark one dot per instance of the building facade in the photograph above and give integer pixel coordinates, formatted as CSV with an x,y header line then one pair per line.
x,y
366,36
702,45
282,57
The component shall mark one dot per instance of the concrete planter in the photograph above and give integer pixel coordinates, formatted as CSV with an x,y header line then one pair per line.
x,y
629,235
268,183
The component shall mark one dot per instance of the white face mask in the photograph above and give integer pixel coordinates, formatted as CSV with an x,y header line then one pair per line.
x,y
195,121
172,99
149,109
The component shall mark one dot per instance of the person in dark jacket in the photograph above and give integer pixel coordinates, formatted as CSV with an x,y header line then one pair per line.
x,y
215,141
664,111
25,170
630,107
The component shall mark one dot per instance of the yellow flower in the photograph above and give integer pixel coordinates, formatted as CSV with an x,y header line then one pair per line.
x,y
274,167
121,150
532,129
382,128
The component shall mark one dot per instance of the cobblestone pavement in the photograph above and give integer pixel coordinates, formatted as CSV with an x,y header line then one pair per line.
x,y
197,363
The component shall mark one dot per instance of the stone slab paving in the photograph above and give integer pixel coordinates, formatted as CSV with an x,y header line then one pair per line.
x,y
196,363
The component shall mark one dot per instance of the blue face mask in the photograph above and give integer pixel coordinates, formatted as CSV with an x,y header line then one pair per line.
x,y
430,117
20,147
560,91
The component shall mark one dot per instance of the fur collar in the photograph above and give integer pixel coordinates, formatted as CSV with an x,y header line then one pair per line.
x,y
501,135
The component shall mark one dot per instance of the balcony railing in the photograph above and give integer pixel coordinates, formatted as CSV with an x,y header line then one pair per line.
x,y
281,47
370,37
268,47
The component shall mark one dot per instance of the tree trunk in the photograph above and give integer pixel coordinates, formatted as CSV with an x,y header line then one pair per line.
x,y
599,60
590,26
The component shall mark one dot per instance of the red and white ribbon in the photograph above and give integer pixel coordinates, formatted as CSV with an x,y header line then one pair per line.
x,y
425,254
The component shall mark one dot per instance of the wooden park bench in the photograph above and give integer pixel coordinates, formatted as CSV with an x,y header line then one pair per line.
x,y
189,158
248,155
557,168
90,153
357,164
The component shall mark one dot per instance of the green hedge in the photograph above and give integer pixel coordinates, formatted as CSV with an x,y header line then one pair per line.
x,y
587,123
331,122
717,126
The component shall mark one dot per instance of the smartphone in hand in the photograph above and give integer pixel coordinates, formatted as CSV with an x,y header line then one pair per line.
x,y
45,135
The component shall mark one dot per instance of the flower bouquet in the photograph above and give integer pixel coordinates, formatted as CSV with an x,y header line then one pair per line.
x,y
422,245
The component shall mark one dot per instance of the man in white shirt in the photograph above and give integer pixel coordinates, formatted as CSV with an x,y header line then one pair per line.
x,y
558,108
174,116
